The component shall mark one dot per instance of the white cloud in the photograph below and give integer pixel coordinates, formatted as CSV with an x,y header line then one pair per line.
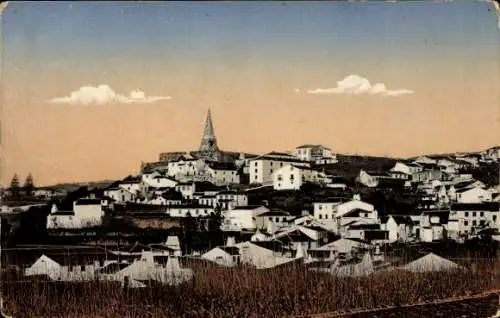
x,y
103,94
354,85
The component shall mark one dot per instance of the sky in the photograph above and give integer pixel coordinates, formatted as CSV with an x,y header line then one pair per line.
x,y
91,89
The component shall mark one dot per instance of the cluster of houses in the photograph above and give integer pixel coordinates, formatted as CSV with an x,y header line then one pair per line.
x,y
200,183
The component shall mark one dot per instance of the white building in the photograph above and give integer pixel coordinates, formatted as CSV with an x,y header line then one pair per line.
x,y
186,167
222,173
292,177
468,218
243,217
261,168
119,194
366,179
473,195
182,211
407,168
315,153
86,213
157,180
400,227
326,209
131,184
187,189
231,199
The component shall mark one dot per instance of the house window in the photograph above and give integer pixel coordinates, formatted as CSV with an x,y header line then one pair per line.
x,y
481,213
281,164
473,213
474,223
82,268
320,216
270,170
481,222
271,163
466,214
270,218
255,171
280,178
320,207
494,217
466,223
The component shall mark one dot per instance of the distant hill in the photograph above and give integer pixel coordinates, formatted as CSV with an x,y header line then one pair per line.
x,y
71,186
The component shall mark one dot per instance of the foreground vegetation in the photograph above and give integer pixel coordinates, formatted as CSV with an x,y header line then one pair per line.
x,y
243,292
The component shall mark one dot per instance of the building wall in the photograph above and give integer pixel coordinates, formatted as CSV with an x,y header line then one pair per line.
x,y
474,195
261,170
195,212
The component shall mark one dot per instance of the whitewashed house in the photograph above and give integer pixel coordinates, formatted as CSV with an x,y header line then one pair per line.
x,y
120,195
186,167
242,218
355,210
469,218
405,171
473,195
315,153
229,199
222,173
366,179
433,225
131,184
326,209
292,177
207,200
157,180
400,227
187,189
261,168
86,213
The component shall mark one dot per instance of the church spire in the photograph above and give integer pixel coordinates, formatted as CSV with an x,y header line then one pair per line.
x,y
208,141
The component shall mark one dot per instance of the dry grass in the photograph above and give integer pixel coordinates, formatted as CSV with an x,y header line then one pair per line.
x,y
242,292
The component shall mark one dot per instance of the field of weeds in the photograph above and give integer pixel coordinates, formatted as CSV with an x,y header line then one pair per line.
x,y
241,292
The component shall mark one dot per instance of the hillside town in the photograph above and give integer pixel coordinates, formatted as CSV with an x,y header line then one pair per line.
x,y
333,212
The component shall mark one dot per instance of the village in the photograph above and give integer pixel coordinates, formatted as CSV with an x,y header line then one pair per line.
x,y
329,212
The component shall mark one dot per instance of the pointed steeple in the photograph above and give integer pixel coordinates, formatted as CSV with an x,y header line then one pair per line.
x,y
208,141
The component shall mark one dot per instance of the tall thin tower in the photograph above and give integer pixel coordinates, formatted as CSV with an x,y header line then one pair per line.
x,y
208,141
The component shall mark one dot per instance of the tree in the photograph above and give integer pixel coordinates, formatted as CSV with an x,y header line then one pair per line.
x,y
14,185
29,185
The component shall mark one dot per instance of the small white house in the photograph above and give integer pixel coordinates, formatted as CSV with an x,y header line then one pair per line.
x,y
222,173
231,199
400,227
187,189
315,153
243,217
86,213
119,194
157,180
132,185
326,209
292,177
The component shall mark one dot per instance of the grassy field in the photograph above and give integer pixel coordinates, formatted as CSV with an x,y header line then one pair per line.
x,y
241,292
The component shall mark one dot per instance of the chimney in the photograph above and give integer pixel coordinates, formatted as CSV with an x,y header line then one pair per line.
x,y
356,197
